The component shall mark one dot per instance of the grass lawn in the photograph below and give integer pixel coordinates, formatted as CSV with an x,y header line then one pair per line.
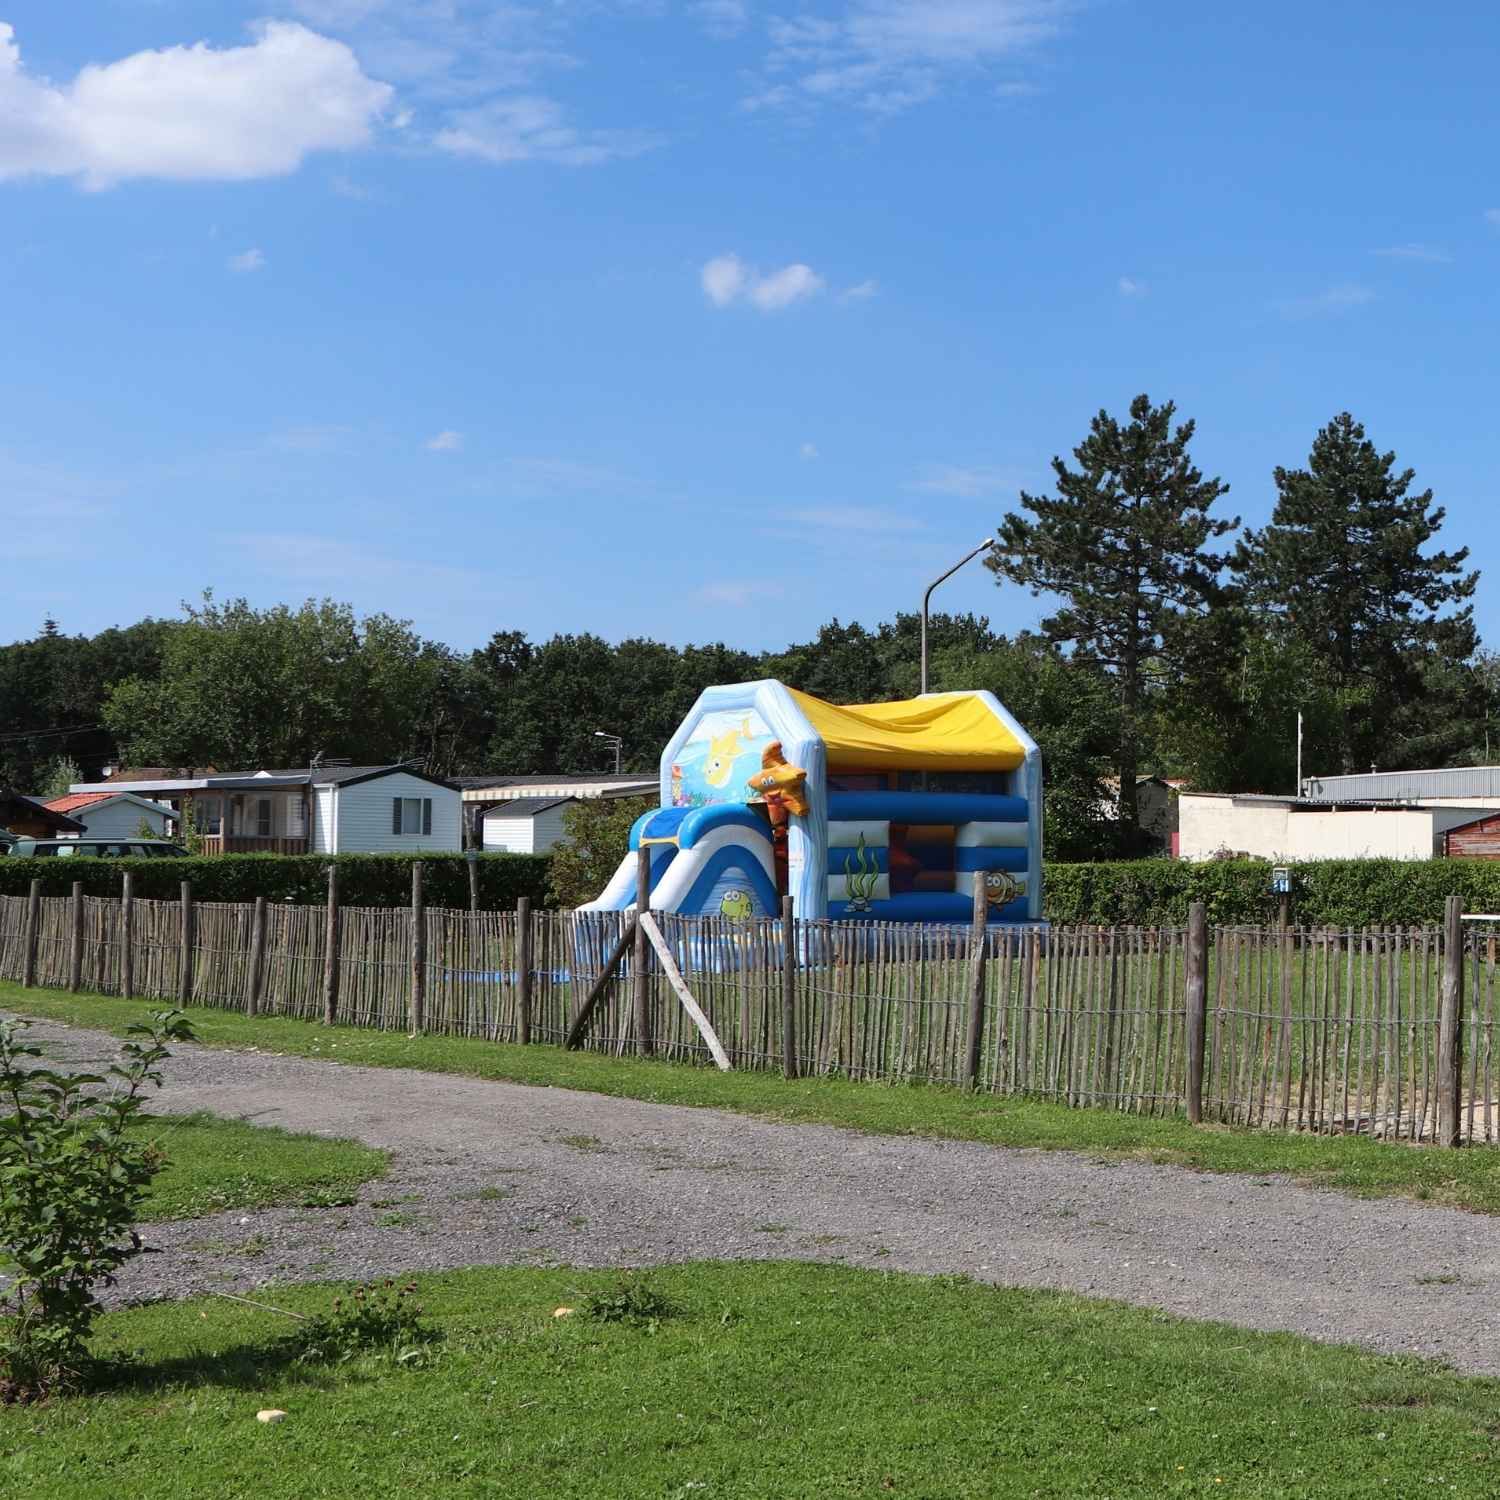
x,y
769,1382
215,1164
1464,1179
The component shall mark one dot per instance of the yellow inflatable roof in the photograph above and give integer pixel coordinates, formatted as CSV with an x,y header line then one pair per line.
x,y
944,732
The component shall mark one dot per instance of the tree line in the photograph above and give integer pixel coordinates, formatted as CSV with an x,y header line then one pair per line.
x,y
1176,648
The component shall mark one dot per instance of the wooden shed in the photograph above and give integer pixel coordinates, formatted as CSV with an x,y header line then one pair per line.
x,y
1477,840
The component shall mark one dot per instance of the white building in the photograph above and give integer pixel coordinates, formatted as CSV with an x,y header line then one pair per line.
x,y
484,795
314,810
525,825
1213,825
116,815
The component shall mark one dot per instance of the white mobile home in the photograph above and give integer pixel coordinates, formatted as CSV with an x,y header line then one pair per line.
x,y
116,815
315,810
525,825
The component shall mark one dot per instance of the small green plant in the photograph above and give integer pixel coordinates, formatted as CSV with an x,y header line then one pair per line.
x,y
330,1198
74,1173
399,1218
381,1319
631,1300
492,1194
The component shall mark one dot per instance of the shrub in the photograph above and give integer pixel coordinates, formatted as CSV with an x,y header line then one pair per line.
x,y
631,1300
1327,892
364,879
384,1319
73,1178
598,838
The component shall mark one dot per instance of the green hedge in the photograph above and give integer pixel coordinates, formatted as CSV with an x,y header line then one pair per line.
x,y
1146,892
1327,892
364,879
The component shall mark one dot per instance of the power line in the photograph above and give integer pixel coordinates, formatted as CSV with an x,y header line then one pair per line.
x,y
41,734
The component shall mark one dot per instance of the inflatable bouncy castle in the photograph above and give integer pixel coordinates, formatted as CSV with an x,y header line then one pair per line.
x,y
885,812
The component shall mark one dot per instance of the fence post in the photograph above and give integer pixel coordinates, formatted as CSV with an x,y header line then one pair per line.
x,y
257,958
75,938
1450,1058
471,858
788,988
127,935
185,960
33,933
523,965
978,953
418,952
1197,1007
644,1041
331,950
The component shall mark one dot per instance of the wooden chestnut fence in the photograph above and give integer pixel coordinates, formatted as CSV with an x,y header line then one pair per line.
x,y
1381,1031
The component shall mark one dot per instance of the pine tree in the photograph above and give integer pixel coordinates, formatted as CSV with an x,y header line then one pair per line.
x,y
1340,571
1123,543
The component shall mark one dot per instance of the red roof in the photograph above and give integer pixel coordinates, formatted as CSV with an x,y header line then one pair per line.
x,y
76,800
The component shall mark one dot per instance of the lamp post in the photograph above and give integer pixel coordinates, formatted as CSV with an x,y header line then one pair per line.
x,y
984,546
615,742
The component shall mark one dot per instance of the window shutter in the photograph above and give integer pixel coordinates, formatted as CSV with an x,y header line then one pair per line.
x,y
426,814
395,815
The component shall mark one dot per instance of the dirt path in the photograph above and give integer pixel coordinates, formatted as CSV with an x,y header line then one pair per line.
x,y
494,1173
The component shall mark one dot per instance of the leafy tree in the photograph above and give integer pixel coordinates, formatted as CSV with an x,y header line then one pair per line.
x,y
1070,709
598,837
52,691
1124,543
245,687
1340,570
57,776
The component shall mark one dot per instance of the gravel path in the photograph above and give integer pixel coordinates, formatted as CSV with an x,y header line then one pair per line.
x,y
493,1173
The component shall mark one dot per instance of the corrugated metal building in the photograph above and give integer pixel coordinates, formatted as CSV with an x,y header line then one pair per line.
x,y
1469,786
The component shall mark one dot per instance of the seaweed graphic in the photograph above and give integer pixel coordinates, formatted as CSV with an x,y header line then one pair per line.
x,y
862,880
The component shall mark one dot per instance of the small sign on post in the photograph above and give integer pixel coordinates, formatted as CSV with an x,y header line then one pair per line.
x,y
1281,888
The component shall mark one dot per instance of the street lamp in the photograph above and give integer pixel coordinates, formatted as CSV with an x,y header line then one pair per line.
x,y
615,742
984,546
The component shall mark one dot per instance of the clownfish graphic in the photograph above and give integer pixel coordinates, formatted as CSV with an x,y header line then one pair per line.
x,y
723,750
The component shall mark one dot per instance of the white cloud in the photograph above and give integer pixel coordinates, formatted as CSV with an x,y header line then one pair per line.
x,y
1429,253
526,127
736,592
722,18
887,55
808,451
966,483
782,288
1336,299
188,113
853,518
447,441
861,292
1130,287
346,187
723,279
309,559
726,278
247,261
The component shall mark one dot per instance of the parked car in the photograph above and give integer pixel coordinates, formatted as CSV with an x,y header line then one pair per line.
x,y
95,849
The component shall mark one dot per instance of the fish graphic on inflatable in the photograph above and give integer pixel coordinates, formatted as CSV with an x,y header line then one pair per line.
x,y
723,750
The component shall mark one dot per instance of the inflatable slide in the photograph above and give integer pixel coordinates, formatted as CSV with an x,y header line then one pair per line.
x,y
877,812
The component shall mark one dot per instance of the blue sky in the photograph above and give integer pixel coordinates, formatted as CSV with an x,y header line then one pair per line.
x,y
704,320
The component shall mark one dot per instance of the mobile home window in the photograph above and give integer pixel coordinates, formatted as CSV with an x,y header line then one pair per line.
x,y
263,817
206,812
411,815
